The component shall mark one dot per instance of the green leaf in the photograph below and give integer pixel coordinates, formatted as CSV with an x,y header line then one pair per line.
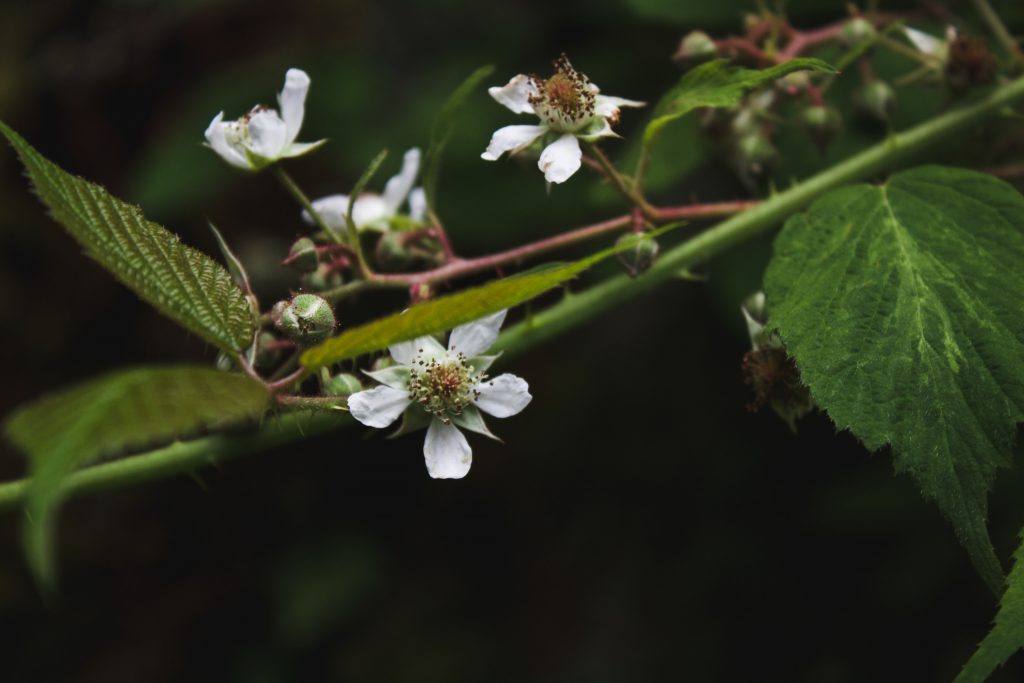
x,y
444,313
183,283
126,410
902,306
1007,634
444,126
716,84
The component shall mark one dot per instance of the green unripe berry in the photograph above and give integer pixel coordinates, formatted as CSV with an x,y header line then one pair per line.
x,y
343,384
308,319
754,152
696,46
856,31
302,256
877,100
637,252
391,252
822,123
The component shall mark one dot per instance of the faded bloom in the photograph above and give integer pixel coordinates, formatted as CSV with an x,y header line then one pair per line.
x,y
263,136
373,211
570,108
443,389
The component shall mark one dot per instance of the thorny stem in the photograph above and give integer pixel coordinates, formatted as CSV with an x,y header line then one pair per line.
x,y
628,190
184,457
999,30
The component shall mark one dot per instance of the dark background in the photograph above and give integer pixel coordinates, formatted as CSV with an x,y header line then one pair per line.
x,y
639,524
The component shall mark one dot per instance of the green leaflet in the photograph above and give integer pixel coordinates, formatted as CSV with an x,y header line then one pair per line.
x,y
1007,634
902,306
183,283
446,312
444,126
716,84
125,410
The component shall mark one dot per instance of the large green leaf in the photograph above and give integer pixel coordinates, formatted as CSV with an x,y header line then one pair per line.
x,y
716,84
902,304
1007,634
183,283
446,312
122,411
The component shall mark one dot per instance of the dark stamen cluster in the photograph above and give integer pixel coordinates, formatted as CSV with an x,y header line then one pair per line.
x,y
444,388
564,100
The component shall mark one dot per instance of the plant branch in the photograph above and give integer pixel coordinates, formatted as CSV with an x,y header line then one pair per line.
x,y
999,30
183,457
628,190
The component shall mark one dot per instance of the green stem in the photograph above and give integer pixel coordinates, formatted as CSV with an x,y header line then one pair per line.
x,y
295,191
999,30
572,311
621,184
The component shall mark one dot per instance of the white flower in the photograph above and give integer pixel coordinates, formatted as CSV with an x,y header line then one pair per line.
x,y
930,45
570,108
263,136
373,211
443,389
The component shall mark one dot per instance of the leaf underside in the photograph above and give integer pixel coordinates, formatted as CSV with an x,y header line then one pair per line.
x,y
184,284
123,411
902,305
717,84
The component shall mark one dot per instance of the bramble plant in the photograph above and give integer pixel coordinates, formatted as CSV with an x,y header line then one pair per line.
x,y
892,303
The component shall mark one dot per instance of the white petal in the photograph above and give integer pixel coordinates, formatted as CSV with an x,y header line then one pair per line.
x,y
292,101
404,353
503,396
511,139
267,133
371,212
378,407
297,149
331,209
515,94
368,212
417,204
472,339
561,159
217,139
607,105
398,187
446,451
927,44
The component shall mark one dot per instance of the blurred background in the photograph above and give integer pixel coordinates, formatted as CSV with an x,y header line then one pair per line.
x,y
639,524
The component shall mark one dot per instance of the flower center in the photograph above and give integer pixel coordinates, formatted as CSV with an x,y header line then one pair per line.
x,y
444,386
566,100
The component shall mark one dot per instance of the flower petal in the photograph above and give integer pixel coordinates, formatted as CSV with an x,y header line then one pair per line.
x,y
371,212
331,210
928,44
297,149
515,94
561,159
292,101
474,338
417,204
446,451
404,353
395,376
503,396
217,139
511,139
378,407
268,134
398,186
608,105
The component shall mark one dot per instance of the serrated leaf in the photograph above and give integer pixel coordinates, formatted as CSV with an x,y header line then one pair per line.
x,y
444,126
184,284
446,312
716,84
1007,634
126,410
902,306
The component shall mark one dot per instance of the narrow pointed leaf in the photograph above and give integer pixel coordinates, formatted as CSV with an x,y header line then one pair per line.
x,y
902,306
182,283
123,411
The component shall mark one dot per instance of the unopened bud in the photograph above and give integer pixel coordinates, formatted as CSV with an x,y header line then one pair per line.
x,y
856,31
343,384
324,277
276,311
637,252
391,252
876,100
755,152
308,319
302,256
224,362
695,46
795,82
822,123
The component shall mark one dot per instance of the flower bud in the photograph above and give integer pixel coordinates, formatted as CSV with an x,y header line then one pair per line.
x,y
822,123
755,152
637,252
695,46
343,384
324,277
391,252
276,311
308,319
876,100
302,256
773,376
856,31
224,362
